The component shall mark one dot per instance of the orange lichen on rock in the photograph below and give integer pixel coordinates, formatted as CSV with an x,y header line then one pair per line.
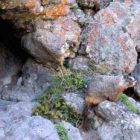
x,y
108,18
65,1
30,4
57,11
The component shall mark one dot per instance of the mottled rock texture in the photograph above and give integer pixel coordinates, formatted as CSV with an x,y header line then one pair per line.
x,y
72,132
23,12
92,36
119,122
53,40
108,43
136,74
35,79
16,123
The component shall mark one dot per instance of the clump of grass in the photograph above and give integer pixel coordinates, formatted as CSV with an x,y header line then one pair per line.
x,y
51,103
124,99
62,132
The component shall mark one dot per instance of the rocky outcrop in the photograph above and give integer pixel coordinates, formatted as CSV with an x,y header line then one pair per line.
x,y
34,80
53,40
100,38
119,122
72,132
26,11
22,125
74,100
107,41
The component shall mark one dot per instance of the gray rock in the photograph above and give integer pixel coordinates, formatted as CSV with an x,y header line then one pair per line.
x,y
53,42
75,100
79,64
90,135
16,123
32,128
35,79
72,132
107,41
13,111
119,123
136,74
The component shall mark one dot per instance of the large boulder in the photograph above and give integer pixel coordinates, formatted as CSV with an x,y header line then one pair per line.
x,y
34,80
72,132
23,13
75,100
119,122
107,41
79,64
22,125
32,128
53,41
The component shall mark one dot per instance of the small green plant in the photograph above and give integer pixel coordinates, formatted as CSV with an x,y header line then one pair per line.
x,y
124,99
62,132
51,103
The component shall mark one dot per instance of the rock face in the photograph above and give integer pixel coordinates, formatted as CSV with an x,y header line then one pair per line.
x,y
53,41
74,100
107,42
33,128
136,74
79,64
72,132
26,11
22,125
35,79
119,122
103,87
98,37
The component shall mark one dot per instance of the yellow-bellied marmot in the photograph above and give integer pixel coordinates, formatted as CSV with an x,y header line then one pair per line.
x,y
104,87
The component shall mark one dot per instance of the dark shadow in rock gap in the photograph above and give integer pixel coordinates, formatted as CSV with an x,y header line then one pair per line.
x,y
11,38
131,93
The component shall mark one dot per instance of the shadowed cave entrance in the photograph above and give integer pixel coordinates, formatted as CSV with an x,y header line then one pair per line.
x,y
11,39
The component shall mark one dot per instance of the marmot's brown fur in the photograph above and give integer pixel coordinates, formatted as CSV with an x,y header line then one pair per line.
x,y
103,87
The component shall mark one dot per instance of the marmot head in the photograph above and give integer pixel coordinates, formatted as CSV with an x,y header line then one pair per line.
x,y
129,81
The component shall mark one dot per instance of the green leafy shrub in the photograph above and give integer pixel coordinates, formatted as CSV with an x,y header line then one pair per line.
x,y
124,99
62,132
51,103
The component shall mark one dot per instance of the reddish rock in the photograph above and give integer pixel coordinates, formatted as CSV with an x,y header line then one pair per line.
x,y
53,41
56,11
107,42
23,13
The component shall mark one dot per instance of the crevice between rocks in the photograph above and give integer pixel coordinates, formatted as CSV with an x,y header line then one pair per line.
x,y
11,38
